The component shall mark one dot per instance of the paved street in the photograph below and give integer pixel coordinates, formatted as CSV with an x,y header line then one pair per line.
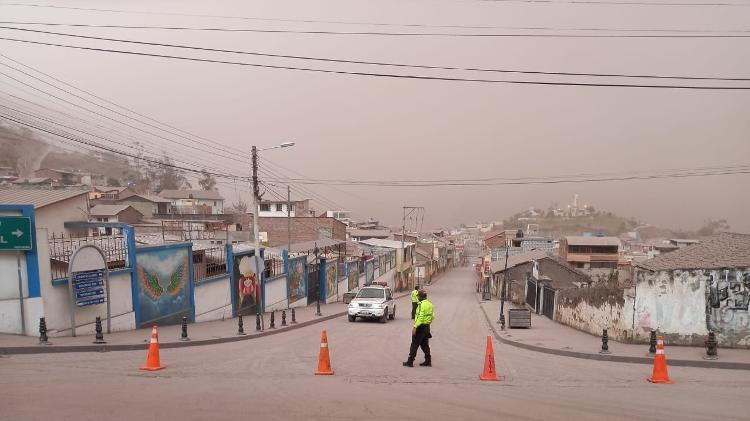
x,y
271,378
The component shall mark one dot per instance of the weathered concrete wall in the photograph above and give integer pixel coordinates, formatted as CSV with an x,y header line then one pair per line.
x,y
213,299
684,305
593,309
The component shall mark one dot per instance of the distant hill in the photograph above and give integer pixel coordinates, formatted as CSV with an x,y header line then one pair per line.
x,y
606,223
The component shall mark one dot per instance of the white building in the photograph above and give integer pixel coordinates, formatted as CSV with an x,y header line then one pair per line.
x,y
195,202
279,208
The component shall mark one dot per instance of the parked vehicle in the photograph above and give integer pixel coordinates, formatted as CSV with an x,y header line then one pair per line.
x,y
374,301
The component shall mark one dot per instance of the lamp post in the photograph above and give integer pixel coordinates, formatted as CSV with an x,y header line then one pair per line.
x,y
501,319
316,251
256,218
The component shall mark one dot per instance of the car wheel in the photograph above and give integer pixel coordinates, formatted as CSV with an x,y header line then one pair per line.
x,y
392,316
352,318
384,318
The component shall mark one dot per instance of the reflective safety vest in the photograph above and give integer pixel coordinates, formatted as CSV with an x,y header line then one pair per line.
x,y
425,314
414,296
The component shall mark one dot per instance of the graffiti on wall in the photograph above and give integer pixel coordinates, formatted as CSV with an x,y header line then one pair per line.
x,y
727,299
353,275
163,286
331,278
245,284
297,285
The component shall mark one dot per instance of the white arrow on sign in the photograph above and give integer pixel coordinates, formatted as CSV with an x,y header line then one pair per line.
x,y
18,233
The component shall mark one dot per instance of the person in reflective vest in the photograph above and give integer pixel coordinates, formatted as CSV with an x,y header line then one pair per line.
x,y
420,333
414,301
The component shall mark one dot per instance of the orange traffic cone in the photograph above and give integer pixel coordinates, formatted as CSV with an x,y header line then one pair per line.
x,y
152,361
324,359
490,373
660,374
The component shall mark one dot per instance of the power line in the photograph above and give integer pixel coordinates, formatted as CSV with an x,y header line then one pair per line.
x,y
636,33
383,75
213,142
98,105
384,64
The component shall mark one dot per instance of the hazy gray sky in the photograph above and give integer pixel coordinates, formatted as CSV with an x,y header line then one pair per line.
x,y
365,128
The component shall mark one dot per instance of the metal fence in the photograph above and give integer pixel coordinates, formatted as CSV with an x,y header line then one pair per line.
x,y
274,264
62,246
209,262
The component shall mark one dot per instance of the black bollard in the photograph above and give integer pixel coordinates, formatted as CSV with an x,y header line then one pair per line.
x,y
257,322
294,318
184,335
283,317
240,325
605,343
711,347
652,344
273,321
99,335
43,340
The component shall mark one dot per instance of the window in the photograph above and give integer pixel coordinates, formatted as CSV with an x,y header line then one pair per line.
x,y
214,203
265,207
371,293
279,207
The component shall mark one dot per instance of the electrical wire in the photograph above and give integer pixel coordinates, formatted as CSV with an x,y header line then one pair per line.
x,y
385,75
382,64
636,33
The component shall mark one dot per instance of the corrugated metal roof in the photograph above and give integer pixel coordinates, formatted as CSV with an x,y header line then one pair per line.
x,y
499,265
191,194
107,210
592,241
723,251
38,198
391,244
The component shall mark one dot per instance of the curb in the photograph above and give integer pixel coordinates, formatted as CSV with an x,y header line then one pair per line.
x,y
40,349
610,357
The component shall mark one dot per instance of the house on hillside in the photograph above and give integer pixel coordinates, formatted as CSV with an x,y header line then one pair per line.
x,y
591,252
53,208
366,234
115,213
109,193
63,177
534,278
194,202
149,206
280,208
43,183
701,288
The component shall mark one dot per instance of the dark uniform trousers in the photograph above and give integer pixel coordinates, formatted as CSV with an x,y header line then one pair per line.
x,y
421,339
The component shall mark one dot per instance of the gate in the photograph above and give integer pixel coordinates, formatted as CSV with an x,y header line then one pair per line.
x,y
531,293
548,302
313,283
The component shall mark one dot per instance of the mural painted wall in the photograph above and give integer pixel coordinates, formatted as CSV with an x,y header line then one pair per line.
x,y
353,270
164,287
245,284
331,277
297,281
727,304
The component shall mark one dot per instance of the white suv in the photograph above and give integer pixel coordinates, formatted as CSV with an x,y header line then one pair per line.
x,y
373,301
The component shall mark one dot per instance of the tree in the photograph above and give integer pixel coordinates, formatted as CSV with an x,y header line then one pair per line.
x,y
22,150
167,176
207,182
240,206
113,182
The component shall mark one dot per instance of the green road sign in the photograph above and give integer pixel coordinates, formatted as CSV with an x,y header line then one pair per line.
x,y
15,233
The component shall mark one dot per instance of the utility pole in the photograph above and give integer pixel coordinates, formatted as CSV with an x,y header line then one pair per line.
x,y
501,319
256,231
289,218
411,210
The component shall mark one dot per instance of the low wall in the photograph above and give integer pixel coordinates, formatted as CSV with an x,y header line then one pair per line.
x,y
213,300
276,293
593,310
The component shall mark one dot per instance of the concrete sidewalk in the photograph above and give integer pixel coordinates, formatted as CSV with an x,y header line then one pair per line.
x,y
206,333
555,338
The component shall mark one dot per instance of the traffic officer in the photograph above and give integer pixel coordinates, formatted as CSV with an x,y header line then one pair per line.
x,y
414,300
420,333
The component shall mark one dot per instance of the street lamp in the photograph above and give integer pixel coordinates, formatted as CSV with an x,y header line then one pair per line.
x,y
256,217
316,251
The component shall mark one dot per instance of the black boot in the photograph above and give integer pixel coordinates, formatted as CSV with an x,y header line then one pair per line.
x,y
426,363
408,364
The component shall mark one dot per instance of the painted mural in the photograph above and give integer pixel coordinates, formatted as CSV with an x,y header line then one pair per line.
x,y
369,272
245,284
164,288
297,281
728,300
353,270
331,277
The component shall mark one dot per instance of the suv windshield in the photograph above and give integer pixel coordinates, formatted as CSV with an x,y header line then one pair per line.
x,y
371,293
